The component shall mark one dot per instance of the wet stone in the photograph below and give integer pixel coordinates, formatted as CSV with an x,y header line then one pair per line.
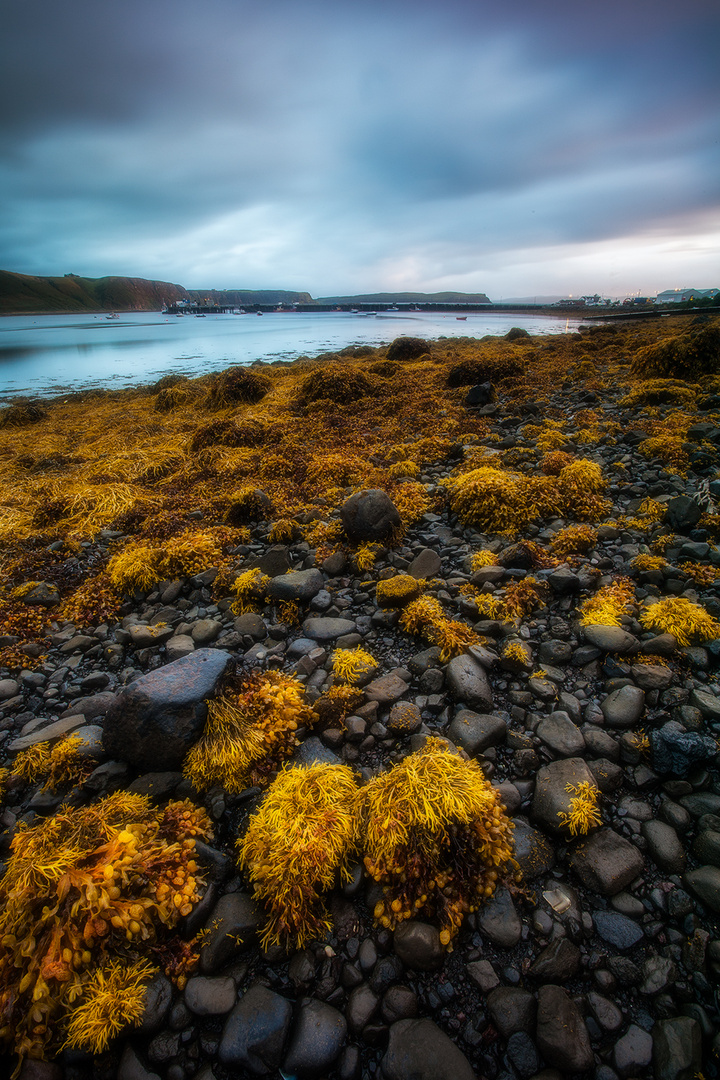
x,y
559,961
420,1050
512,1009
533,851
623,708
475,732
664,846
317,1039
632,1053
706,847
606,862
610,638
677,1048
300,585
561,1034
561,735
418,946
499,921
210,996
705,884
231,930
522,1054
468,682
326,628
617,930
256,1031
551,795
158,717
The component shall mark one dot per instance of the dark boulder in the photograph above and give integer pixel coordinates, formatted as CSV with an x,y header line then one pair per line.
x,y
369,515
154,721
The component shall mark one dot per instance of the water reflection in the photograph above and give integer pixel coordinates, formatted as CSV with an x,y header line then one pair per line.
x,y
51,354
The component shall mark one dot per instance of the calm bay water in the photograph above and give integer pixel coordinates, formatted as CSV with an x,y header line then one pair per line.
x,y
45,355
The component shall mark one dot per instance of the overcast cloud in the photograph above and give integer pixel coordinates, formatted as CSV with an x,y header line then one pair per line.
x,y
346,148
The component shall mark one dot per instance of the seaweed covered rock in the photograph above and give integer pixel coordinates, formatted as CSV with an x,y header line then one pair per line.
x,y
247,432
22,413
407,348
691,355
369,515
237,386
336,383
154,721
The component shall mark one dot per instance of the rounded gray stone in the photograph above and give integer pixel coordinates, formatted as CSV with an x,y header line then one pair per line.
x,y
210,996
316,1041
475,732
369,515
632,1053
623,708
561,1034
611,638
419,1050
301,585
664,846
468,682
705,884
327,629
418,945
560,734
256,1031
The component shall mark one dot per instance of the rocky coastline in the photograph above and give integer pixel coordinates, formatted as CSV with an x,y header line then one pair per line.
x,y
603,960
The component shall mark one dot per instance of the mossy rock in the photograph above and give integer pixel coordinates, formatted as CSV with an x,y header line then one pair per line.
x,y
396,591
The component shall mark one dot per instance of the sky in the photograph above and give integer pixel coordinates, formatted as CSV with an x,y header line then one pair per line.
x,y
515,149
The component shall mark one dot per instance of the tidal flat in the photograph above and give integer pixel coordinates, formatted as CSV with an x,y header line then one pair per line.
x,y
359,716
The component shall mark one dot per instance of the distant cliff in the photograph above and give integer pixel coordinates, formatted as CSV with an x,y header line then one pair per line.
x,y
20,293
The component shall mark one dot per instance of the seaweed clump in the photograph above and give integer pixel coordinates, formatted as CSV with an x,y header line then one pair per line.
x,y
494,500
583,813
609,604
426,618
300,838
436,836
89,890
687,622
248,733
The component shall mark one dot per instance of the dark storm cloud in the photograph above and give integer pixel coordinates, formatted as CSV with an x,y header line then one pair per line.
x,y
321,145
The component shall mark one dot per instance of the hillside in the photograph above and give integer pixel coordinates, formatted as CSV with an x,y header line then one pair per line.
x,y
21,293
241,297
408,298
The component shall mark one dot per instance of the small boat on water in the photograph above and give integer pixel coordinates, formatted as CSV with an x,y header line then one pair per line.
x,y
259,312
461,318
114,315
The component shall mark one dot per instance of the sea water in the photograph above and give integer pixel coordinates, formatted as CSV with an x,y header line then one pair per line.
x,y
47,355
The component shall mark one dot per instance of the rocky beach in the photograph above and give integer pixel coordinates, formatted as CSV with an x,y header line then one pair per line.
x,y
499,555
